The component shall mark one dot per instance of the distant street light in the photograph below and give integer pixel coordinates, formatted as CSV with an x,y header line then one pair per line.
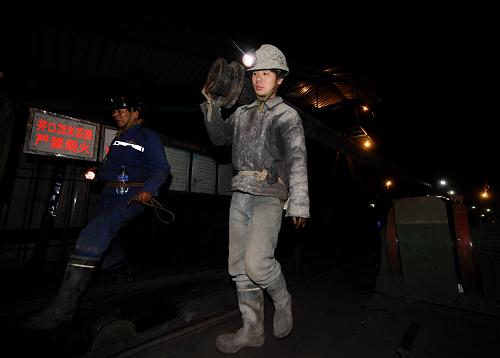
x,y
485,193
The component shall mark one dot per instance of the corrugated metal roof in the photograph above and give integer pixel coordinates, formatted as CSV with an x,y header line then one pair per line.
x,y
161,60
161,48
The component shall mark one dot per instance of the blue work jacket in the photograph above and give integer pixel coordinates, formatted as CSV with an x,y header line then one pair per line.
x,y
141,151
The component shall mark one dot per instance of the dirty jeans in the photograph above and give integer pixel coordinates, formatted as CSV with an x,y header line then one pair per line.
x,y
254,225
97,236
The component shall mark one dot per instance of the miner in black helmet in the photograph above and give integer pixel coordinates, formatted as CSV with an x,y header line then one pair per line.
x,y
132,172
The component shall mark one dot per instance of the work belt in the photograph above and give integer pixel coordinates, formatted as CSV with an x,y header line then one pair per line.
x,y
259,175
116,183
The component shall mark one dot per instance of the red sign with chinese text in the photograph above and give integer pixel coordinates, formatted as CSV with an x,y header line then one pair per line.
x,y
54,134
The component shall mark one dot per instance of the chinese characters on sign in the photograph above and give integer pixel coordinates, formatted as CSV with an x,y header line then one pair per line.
x,y
53,134
67,137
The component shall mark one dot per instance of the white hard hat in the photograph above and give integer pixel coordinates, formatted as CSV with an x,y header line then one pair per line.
x,y
269,57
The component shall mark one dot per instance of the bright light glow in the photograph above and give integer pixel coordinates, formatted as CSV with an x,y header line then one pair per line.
x,y
367,143
388,184
442,182
248,59
372,205
451,192
90,174
485,194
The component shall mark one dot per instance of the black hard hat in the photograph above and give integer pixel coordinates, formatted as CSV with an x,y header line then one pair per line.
x,y
127,102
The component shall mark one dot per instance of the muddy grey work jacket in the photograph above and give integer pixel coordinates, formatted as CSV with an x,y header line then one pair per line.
x,y
272,142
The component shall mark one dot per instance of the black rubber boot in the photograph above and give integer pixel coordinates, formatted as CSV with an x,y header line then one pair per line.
x,y
283,318
251,304
63,308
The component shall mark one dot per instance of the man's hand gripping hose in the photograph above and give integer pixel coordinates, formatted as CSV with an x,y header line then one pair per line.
x,y
155,204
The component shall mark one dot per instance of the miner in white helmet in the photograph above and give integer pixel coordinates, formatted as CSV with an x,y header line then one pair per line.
x,y
270,162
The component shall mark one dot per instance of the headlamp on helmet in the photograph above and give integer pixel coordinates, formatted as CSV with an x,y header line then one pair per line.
x,y
249,59
269,57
